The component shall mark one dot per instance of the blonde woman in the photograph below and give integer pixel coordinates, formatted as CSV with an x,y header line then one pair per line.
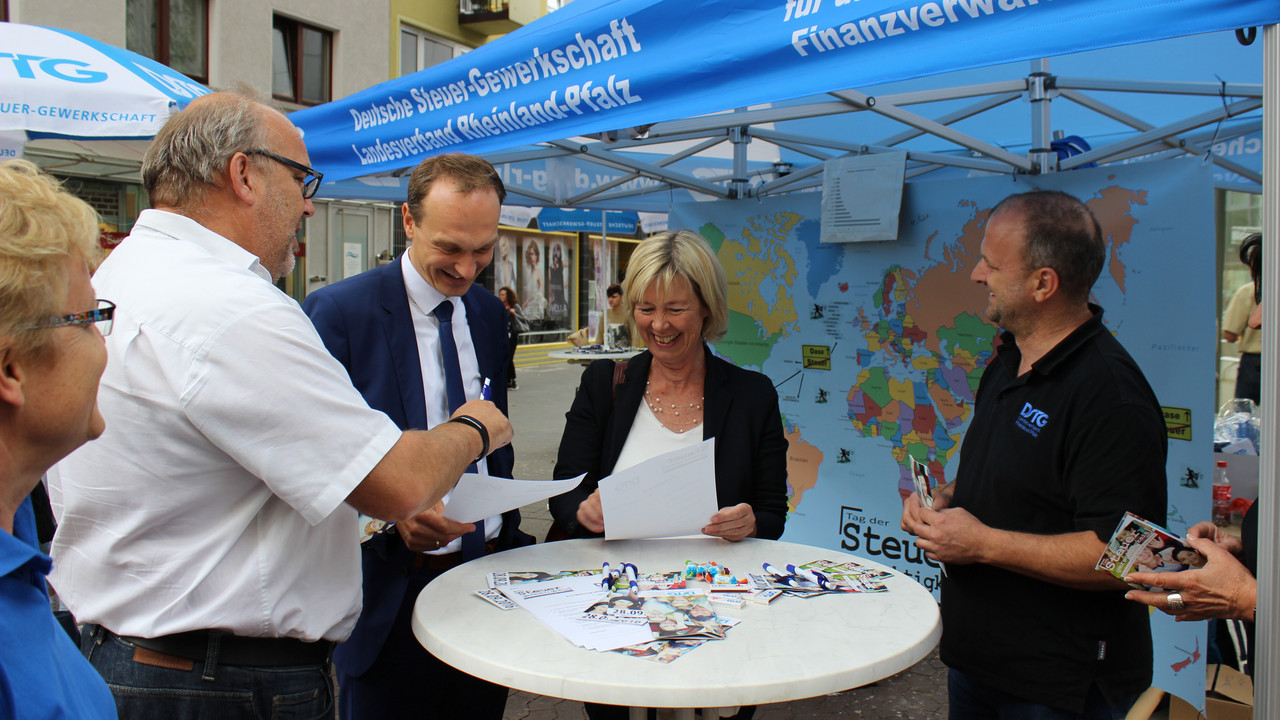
x,y
51,358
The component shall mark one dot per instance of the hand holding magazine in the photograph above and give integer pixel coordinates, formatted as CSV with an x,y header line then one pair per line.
x,y
1142,546
924,484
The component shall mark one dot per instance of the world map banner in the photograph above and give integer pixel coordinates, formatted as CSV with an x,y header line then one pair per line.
x,y
876,349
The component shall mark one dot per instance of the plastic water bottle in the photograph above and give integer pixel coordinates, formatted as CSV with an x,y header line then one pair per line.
x,y
1221,495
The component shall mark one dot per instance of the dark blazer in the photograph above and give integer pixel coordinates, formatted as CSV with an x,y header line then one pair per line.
x,y
365,323
740,412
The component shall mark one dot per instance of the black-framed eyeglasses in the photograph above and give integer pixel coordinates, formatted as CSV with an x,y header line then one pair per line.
x,y
312,182
103,317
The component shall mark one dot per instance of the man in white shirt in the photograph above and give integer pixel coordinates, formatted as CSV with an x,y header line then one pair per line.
x,y
382,325
208,540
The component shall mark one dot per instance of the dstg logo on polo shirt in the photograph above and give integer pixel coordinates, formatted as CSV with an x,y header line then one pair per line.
x,y
1032,420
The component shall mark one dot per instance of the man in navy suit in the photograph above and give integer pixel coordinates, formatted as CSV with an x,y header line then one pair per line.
x,y
385,326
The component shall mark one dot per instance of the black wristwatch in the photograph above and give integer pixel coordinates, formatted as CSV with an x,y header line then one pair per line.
x,y
480,428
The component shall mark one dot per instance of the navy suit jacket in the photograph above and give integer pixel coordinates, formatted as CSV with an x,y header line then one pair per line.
x,y
366,324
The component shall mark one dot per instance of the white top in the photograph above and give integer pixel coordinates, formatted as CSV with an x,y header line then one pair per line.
x,y
215,499
649,438
793,648
423,299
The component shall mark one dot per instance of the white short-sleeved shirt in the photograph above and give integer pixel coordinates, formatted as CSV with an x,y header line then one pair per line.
x,y
215,498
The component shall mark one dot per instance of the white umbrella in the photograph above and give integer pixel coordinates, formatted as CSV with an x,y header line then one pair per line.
x,y
63,85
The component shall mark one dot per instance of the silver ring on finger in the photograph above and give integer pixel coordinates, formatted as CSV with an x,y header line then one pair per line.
x,y
1175,602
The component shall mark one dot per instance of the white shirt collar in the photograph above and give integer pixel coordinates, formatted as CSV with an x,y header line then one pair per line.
x,y
422,293
183,228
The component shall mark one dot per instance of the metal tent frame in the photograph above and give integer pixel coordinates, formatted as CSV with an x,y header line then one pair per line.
x,y
656,152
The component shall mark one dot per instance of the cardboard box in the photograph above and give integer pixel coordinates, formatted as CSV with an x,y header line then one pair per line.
x,y
1228,696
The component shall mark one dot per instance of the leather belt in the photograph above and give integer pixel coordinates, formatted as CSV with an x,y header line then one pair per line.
x,y
235,649
448,561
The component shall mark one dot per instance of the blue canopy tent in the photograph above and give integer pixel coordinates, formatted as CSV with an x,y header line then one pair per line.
x,y
631,87
627,78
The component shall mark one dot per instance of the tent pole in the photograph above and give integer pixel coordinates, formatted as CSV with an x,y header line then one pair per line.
x,y
603,282
1267,669
740,136
1043,159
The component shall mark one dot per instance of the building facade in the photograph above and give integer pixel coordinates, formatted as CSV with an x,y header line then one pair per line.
x,y
298,53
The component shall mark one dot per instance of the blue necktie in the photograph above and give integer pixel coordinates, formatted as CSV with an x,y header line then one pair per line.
x,y
472,542
449,357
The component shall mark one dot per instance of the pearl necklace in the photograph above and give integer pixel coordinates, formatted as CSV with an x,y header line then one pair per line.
x,y
656,406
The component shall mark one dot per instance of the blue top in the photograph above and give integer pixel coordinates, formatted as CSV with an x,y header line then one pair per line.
x,y
42,673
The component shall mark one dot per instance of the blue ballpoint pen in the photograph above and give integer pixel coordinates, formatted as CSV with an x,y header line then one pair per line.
x,y
774,571
810,575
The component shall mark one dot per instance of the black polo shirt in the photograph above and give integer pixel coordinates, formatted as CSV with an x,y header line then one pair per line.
x,y
1070,446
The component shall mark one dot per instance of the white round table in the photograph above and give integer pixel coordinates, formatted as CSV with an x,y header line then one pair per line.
x,y
790,649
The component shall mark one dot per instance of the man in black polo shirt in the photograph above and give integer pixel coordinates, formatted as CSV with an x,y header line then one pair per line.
x,y
1066,436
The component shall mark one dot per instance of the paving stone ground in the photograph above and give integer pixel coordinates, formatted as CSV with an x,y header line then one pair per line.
x,y
920,693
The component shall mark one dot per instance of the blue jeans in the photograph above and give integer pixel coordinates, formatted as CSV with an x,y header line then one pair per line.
x,y
405,676
231,692
969,699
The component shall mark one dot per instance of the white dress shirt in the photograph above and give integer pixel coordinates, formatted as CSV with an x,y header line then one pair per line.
x,y
215,499
423,299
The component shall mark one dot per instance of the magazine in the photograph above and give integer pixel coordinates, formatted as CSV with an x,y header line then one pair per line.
x,y
847,577
1142,546
924,484
680,614
663,651
513,577
851,576
621,608
673,580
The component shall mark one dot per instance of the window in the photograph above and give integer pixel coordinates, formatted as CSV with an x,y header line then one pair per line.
x,y
399,240
171,32
1239,214
300,62
420,50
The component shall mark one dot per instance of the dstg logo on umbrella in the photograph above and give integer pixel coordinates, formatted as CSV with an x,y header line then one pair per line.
x,y
26,64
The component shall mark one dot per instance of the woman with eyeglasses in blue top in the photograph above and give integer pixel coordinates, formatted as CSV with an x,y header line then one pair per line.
x,y
51,358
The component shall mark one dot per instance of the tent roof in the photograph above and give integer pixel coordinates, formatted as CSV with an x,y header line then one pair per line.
x,y
646,143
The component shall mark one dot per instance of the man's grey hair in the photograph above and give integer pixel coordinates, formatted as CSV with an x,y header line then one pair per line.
x,y
193,149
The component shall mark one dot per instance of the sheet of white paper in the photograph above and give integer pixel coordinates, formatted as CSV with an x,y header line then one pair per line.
x,y
669,495
560,603
476,497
